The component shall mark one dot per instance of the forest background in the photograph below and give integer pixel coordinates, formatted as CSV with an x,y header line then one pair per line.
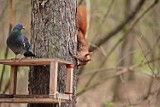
x,y
125,38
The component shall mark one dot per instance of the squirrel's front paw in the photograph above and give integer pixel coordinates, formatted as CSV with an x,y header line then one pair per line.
x,y
83,60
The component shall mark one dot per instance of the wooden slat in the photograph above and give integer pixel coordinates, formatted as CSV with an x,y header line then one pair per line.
x,y
6,98
13,80
31,100
12,97
30,96
23,96
61,96
30,62
69,80
53,77
66,96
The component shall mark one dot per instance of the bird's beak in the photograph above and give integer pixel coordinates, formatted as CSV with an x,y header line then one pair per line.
x,y
23,27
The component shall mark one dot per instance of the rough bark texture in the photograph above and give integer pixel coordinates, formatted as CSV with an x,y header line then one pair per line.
x,y
53,32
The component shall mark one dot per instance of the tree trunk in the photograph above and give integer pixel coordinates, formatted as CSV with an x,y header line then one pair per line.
x,y
127,46
125,56
53,33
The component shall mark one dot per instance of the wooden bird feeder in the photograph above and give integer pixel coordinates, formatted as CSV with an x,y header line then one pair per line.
x,y
53,96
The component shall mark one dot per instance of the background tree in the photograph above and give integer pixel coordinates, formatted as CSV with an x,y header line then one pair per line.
x,y
53,33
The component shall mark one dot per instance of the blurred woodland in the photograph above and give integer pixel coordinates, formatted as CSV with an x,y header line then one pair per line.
x,y
125,38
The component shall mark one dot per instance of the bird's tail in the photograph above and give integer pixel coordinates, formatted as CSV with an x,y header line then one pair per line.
x,y
29,54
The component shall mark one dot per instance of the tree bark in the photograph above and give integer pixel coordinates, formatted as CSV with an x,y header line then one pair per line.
x,y
53,33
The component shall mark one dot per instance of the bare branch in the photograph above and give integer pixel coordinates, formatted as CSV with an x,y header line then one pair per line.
x,y
80,2
124,70
120,26
103,20
10,28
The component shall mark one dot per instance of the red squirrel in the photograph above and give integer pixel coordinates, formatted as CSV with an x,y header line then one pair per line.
x,y
83,54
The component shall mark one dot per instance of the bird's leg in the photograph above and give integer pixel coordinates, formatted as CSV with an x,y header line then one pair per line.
x,y
14,59
20,58
17,57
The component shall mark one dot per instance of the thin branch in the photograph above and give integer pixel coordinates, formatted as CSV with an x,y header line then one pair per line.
x,y
80,2
125,70
10,28
107,56
145,56
6,86
103,62
149,8
125,89
140,17
3,10
3,68
103,20
120,26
